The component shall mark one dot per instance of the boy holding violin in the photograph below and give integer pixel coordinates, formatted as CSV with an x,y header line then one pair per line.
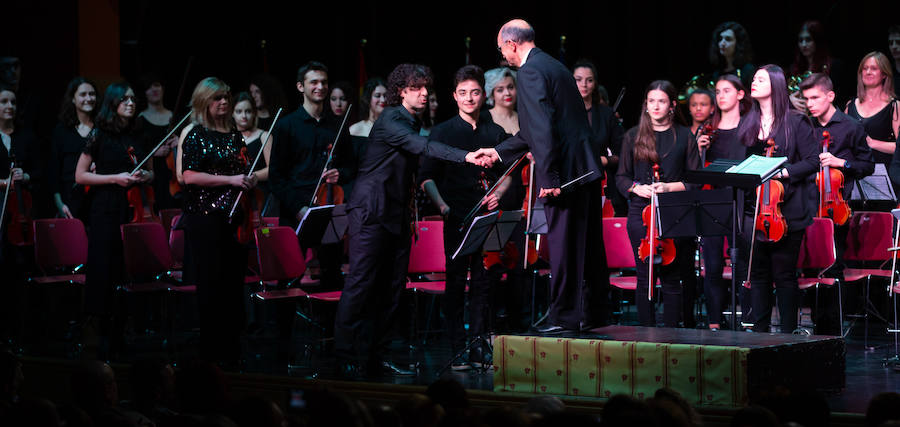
x,y
848,153
454,189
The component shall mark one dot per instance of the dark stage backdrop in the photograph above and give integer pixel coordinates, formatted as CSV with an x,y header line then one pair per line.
x,y
632,42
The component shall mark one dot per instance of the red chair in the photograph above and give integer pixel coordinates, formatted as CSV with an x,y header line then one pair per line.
x,y
819,253
269,221
176,242
619,256
280,258
168,218
868,241
59,245
427,264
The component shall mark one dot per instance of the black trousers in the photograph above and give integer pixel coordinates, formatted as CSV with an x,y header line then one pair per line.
x,y
367,311
670,276
776,262
715,288
568,228
105,259
219,262
480,290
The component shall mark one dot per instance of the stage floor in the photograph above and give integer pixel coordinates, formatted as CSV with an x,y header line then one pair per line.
x,y
866,371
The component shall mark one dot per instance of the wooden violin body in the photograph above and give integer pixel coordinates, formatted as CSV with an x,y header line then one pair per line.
x,y
831,195
653,249
19,231
141,198
769,221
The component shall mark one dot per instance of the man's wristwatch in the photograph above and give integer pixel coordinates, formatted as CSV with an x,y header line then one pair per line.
x,y
846,164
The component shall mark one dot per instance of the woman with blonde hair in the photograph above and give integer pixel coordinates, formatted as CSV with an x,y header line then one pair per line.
x,y
213,171
875,106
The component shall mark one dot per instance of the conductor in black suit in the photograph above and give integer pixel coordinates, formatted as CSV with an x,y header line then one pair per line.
x,y
554,127
380,216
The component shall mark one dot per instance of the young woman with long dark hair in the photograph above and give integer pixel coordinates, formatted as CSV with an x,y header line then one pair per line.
x,y
771,117
109,148
657,139
76,120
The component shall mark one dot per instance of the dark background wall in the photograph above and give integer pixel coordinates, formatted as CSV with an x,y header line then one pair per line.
x,y
632,42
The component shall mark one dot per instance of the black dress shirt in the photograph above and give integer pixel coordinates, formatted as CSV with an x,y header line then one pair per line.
x,y
385,181
677,152
460,184
299,152
849,143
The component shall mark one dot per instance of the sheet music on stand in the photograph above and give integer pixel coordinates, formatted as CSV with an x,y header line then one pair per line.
x,y
875,187
313,225
488,232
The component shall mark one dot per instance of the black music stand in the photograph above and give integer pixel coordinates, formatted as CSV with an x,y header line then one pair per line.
x,y
313,225
874,191
490,233
337,227
715,174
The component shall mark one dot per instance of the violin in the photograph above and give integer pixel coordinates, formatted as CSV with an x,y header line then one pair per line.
x,y
329,194
654,250
141,198
248,205
19,231
769,220
831,184
707,130
531,250
505,257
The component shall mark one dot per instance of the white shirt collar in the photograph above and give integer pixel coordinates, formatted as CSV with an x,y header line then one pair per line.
x,y
525,56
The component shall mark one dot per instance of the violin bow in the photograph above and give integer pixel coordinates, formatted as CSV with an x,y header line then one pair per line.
x,y
9,183
529,194
138,166
262,147
493,188
330,155
619,99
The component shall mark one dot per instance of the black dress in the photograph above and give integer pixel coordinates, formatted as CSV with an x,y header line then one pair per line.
x,y
108,211
151,134
67,147
878,126
270,203
217,259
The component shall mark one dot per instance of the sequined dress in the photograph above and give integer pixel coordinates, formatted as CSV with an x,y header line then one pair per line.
x,y
215,153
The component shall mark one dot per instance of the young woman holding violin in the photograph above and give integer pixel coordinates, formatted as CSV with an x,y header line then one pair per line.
x,y
110,147
718,139
246,122
657,140
16,239
774,254
214,172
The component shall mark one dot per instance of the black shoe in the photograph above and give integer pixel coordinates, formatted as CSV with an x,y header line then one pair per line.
x,y
388,369
552,329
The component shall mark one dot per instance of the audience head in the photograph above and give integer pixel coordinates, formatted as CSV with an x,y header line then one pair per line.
x,y
544,406
257,412
883,407
152,381
754,416
448,393
94,386
419,410
201,387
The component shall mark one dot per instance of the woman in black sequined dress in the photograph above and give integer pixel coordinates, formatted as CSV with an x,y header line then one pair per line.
x,y
214,173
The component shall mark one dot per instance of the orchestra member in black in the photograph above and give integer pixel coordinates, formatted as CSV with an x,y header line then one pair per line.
x,y
812,55
379,231
732,102
773,118
554,128
876,107
298,158
153,124
268,95
701,107
894,48
108,150
730,52
213,174
454,189
76,120
848,153
245,120
607,131
657,139
18,144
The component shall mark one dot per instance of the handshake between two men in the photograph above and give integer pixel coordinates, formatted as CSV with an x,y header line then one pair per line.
x,y
486,157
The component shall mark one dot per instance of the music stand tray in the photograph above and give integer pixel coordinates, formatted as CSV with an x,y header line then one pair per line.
x,y
337,227
695,213
313,225
488,232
